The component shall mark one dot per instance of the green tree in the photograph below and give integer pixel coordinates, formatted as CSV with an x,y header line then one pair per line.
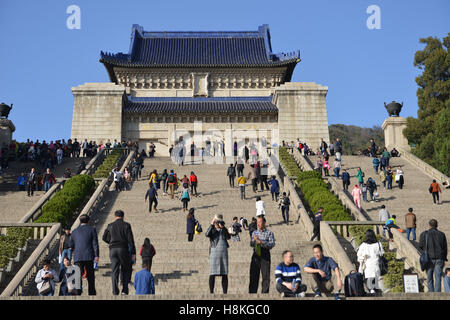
x,y
430,130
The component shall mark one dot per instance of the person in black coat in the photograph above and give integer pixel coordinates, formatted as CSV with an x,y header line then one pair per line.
x,y
121,243
231,173
434,242
84,245
31,181
252,227
190,224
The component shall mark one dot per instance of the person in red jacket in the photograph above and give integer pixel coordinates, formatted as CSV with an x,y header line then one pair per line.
x,y
434,190
193,181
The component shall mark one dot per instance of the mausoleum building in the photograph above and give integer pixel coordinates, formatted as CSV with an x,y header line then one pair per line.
x,y
226,85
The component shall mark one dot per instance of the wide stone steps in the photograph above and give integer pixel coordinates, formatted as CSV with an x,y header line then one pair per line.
x,y
180,264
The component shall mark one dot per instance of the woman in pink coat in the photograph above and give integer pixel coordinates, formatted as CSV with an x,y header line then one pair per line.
x,y
356,194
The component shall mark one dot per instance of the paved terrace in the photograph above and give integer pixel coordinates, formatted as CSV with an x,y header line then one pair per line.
x,y
14,203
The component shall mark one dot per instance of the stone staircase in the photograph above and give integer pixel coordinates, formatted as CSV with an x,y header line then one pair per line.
x,y
180,268
414,193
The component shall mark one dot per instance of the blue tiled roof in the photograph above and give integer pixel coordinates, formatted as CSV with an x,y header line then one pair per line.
x,y
199,105
200,49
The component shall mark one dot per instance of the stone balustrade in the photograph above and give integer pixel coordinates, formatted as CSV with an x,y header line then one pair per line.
x,y
423,166
95,162
49,233
342,227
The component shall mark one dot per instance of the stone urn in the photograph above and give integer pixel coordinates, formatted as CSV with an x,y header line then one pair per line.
x,y
393,108
4,110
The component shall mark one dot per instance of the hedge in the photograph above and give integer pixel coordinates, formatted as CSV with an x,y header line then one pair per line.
x,y
315,190
108,164
394,277
14,239
62,206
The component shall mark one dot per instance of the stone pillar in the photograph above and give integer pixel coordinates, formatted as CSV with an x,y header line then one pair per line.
x,y
97,112
393,133
302,113
6,130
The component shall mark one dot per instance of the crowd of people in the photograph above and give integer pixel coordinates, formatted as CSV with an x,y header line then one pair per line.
x,y
82,244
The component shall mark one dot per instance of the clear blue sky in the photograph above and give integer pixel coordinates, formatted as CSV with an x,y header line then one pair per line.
x,y
40,59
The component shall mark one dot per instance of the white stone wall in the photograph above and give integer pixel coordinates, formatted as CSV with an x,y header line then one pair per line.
x,y
97,112
164,134
302,112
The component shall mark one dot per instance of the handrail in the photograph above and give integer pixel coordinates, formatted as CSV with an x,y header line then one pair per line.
x,y
355,223
343,226
94,201
94,161
346,201
125,164
15,287
423,166
331,242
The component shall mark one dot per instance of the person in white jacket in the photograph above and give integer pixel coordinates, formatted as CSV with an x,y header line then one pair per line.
x,y
260,207
369,253
46,274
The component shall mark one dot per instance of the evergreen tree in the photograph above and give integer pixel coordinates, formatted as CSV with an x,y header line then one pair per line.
x,y
430,131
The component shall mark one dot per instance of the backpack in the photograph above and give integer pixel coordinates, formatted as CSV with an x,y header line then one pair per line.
x,y
171,178
354,285
286,201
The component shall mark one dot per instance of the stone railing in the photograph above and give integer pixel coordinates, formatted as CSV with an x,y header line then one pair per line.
x,y
49,233
407,251
125,164
334,248
336,188
346,200
302,162
342,227
296,202
423,166
95,162
36,210
95,200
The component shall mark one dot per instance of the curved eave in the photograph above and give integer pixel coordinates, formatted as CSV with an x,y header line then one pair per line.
x,y
290,64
